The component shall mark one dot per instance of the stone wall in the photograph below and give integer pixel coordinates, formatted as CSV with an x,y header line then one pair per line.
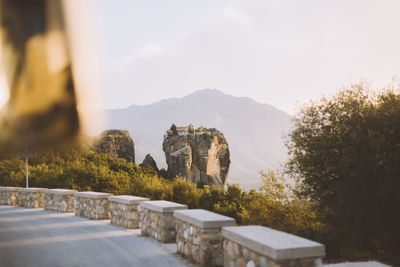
x,y
92,205
357,264
9,196
124,210
157,220
31,197
264,247
60,200
198,236
204,237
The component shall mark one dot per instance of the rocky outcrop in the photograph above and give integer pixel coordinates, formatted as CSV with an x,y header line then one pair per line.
x,y
149,162
116,144
200,156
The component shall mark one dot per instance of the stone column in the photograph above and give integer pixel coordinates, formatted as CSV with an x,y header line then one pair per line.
x,y
198,235
60,200
31,197
9,196
92,205
264,247
157,220
124,210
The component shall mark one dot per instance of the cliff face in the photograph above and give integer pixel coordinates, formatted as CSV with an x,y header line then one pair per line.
x,y
117,144
202,156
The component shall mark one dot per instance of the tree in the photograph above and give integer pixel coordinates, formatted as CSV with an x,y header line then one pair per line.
x,y
173,129
345,150
206,134
191,129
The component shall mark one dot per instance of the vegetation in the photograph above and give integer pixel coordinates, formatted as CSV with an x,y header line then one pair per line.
x,y
201,129
81,169
191,130
173,129
206,134
345,151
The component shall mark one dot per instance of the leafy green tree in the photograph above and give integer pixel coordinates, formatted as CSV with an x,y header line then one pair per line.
x,y
206,134
345,150
191,130
185,192
173,129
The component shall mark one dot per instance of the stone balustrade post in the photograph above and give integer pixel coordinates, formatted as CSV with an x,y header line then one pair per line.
x,y
124,210
60,200
9,196
31,197
157,220
198,235
264,247
92,205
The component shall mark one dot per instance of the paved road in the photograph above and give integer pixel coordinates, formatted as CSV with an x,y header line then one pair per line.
x,y
34,237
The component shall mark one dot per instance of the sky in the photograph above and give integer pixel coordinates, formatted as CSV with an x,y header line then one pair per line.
x,y
281,52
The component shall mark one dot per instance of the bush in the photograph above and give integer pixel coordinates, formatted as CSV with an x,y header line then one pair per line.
x,y
346,152
206,134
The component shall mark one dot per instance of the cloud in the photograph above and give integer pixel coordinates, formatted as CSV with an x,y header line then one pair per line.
x,y
233,13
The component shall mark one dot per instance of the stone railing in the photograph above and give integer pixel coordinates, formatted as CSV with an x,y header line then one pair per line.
x,y
157,220
92,205
262,246
9,196
198,235
204,237
357,264
61,200
124,210
31,197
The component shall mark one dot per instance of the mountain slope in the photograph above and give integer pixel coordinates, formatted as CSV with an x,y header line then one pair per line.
x,y
254,131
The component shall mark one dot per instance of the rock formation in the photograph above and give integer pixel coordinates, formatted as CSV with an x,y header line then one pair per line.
x,y
201,155
149,162
116,144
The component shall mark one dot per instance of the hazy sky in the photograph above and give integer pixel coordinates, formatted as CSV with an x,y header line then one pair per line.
x,y
275,51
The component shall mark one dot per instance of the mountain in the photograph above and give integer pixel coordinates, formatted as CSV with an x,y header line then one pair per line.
x,y
253,130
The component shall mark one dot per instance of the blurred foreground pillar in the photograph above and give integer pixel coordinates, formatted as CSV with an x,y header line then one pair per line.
x,y
35,64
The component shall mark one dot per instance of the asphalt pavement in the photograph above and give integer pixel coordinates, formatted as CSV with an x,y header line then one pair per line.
x,y
39,238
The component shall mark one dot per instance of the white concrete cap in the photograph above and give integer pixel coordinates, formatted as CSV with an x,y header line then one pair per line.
x,y
274,244
357,264
162,206
204,218
60,191
127,199
31,189
91,194
14,189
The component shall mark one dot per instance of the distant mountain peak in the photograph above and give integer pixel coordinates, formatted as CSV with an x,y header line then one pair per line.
x,y
208,91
